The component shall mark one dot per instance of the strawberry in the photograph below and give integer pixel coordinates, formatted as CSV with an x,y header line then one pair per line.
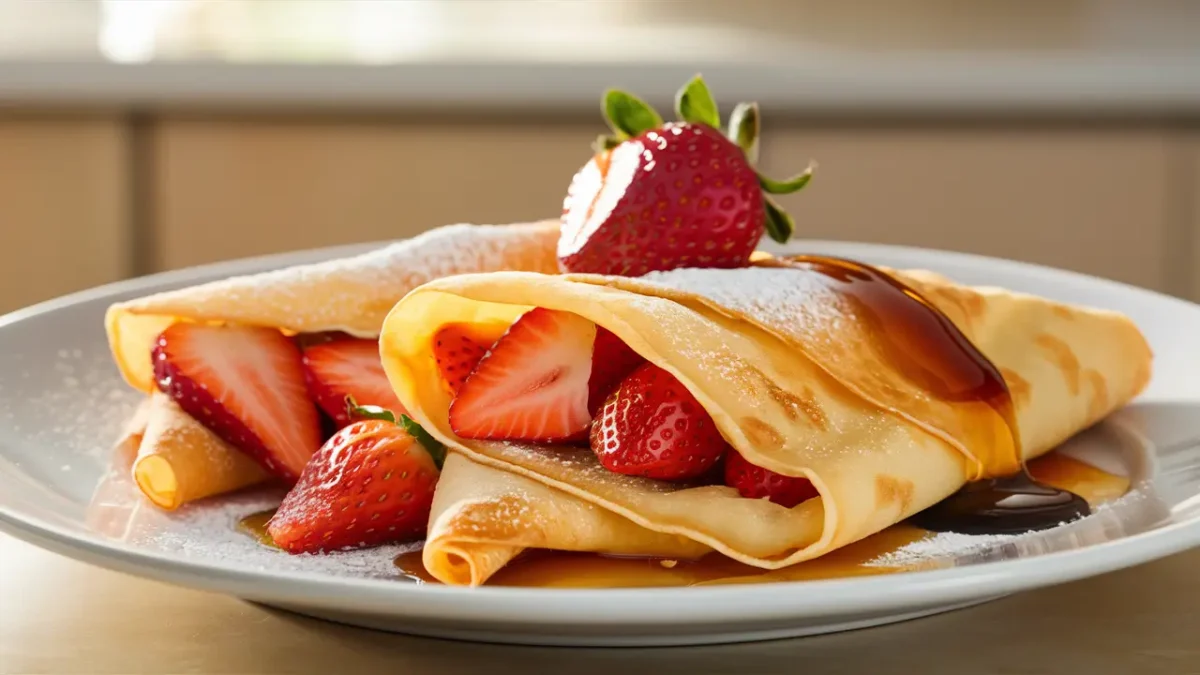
x,y
652,426
457,351
247,386
756,482
612,361
347,367
660,196
533,384
371,483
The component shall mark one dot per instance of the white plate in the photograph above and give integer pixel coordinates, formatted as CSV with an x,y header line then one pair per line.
x,y
62,404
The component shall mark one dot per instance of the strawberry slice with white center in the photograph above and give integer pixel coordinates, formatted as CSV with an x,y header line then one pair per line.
x,y
247,386
348,367
533,384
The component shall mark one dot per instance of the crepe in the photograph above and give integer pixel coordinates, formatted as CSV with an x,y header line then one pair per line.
x,y
797,378
180,460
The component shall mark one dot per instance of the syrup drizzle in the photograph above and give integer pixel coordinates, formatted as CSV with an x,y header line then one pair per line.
x,y
926,348
559,569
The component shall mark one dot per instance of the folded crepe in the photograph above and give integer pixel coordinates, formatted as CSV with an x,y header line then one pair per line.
x,y
179,460
800,377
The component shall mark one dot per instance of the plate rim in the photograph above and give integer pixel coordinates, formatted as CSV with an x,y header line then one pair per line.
x,y
691,605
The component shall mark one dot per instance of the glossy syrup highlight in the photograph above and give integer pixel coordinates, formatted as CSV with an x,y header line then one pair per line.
x,y
925,347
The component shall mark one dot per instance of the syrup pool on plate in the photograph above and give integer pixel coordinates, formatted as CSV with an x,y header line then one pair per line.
x,y
584,570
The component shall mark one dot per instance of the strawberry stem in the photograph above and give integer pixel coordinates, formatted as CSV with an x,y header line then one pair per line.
x,y
694,103
743,129
780,225
368,412
788,186
604,142
629,115
433,446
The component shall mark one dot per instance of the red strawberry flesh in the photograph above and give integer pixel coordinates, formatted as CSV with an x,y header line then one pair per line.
x,y
371,483
652,426
682,195
533,383
457,350
612,361
348,367
247,386
756,482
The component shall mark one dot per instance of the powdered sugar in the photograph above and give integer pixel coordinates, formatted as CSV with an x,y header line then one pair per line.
x,y
354,294
208,531
1134,512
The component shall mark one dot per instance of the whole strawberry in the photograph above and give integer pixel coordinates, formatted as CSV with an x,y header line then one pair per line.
x,y
652,426
661,196
371,483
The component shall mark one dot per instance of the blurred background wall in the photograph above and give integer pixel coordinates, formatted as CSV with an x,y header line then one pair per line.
x,y
145,135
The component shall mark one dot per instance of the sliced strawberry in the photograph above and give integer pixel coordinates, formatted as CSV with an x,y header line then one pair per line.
x,y
371,483
348,367
457,350
612,361
756,482
652,426
533,384
247,386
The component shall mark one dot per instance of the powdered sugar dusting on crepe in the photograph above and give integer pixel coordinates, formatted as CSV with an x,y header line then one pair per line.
x,y
354,294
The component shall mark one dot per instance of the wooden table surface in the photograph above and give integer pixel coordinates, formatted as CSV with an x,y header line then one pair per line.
x,y
62,616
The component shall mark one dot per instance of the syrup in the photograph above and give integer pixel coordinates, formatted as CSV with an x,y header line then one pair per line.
x,y
926,348
255,525
539,568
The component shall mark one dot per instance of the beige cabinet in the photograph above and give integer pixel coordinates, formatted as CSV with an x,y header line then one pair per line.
x,y
64,207
1091,201
230,189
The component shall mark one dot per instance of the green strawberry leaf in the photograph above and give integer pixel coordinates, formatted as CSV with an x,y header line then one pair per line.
x,y
629,115
787,187
743,129
605,142
433,446
694,103
368,412
780,225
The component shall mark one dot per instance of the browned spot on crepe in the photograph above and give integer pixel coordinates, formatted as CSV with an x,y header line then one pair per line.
x,y
889,490
963,307
1018,387
793,405
1063,312
480,520
761,434
1098,404
1062,356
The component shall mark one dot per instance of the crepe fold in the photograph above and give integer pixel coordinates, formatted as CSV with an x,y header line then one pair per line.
x,y
798,378
180,460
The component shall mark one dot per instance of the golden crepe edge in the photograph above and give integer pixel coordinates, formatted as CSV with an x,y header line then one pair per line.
x,y
1037,371
180,460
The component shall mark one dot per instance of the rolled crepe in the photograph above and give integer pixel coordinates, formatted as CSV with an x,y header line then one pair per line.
x,y
179,460
798,381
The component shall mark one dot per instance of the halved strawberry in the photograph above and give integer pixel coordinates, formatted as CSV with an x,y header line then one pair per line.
x,y
533,384
457,350
348,367
371,483
756,482
247,386
612,361
652,426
